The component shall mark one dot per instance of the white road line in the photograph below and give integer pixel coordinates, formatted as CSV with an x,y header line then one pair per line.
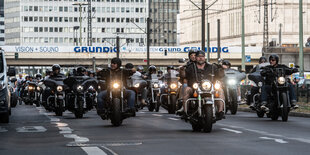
x,y
124,144
157,115
3,129
31,129
231,130
275,139
141,112
174,119
93,151
76,138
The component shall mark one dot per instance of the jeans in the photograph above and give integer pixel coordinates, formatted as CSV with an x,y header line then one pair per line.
x,y
128,94
266,89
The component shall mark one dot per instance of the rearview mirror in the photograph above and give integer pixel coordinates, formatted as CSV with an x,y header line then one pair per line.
x,y
182,60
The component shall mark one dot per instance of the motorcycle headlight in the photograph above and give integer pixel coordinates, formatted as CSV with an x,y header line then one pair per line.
x,y
195,85
281,80
232,81
116,85
156,85
99,87
38,88
59,88
173,86
79,88
137,85
260,84
30,88
217,86
206,85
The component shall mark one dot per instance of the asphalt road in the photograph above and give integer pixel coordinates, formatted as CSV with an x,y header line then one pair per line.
x,y
35,131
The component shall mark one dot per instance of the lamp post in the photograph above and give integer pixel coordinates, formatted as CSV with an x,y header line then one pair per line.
x,y
80,4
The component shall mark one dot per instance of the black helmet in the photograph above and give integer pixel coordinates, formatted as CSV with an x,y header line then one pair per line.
x,y
80,70
117,61
38,75
47,72
140,68
159,72
274,56
262,60
190,52
129,66
170,67
55,67
152,69
226,63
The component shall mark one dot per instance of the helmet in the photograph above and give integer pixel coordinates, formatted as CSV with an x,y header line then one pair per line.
x,y
117,61
262,60
38,75
159,72
274,56
55,67
152,69
91,72
47,72
129,66
170,67
190,52
140,68
80,70
226,63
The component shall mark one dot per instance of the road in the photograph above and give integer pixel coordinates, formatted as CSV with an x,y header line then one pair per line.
x,y
35,131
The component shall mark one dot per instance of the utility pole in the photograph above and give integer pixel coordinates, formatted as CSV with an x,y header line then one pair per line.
x,y
148,20
218,39
265,35
80,9
89,25
117,47
203,25
243,37
301,44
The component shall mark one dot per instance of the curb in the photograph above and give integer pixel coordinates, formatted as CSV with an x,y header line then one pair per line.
x,y
296,114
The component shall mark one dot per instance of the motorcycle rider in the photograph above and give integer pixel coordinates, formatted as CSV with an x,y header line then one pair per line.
x,y
204,71
128,94
254,90
80,71
266,88
38,77
142,84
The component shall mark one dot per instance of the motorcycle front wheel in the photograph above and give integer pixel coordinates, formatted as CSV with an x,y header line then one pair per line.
x,y
116,116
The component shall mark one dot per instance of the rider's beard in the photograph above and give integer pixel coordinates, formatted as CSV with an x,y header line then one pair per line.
x,y
200,62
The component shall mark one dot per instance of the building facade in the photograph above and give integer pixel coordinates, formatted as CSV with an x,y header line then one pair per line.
x,y
163,15
280,12
2,26
56,22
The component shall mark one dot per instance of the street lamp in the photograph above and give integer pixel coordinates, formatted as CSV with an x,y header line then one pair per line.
x,y
80,4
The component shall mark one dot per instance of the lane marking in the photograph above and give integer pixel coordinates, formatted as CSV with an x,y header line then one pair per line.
x,y
3,129
174,119
141,112
231,130
93,151
157,115
76,138
275,139
123,144
31,129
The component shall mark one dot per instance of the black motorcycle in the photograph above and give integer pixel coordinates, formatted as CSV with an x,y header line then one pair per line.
x,y
116,104
153,97
32,94
135,83
56,99
279,100
232,79
168,97
81,94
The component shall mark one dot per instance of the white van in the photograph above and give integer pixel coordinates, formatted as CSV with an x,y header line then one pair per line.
x,y
5,105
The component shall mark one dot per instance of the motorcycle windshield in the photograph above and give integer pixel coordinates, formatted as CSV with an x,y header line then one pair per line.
x,y
173,76
154,78
135,79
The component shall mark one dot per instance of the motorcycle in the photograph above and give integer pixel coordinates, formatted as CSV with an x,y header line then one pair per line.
x,y
116,104
134,83
80,97
13,89
56,99
168,97
232,79
279,100
254,94
32,95
153,98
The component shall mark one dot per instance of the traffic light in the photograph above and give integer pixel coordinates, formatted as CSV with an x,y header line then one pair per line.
x,y
166,52
16,56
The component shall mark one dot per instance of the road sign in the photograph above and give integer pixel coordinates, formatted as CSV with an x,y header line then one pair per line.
x,y
247,58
